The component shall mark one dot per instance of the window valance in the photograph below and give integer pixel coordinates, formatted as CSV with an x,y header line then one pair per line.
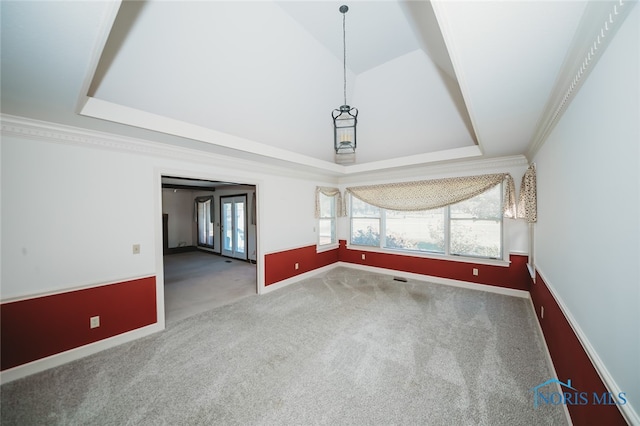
x,y
527,202
431,194
329,192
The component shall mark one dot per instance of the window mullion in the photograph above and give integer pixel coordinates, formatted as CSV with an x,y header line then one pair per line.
x,y
383,228
447,227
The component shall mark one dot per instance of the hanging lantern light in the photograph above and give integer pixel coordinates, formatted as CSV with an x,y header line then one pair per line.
x,y
345,118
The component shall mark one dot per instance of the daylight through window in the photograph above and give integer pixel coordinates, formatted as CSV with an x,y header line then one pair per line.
x,y
468,228
327,220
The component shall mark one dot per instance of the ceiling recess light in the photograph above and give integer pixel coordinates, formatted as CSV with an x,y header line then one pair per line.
x,y
345,118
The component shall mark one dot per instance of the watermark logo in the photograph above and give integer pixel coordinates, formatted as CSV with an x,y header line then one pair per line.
x,y
545,394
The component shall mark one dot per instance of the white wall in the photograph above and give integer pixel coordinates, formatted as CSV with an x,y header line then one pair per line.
x,y
588,231
178,205
70,214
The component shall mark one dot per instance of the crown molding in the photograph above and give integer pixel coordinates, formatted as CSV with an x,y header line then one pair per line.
x,y
68,135
599,23
455,168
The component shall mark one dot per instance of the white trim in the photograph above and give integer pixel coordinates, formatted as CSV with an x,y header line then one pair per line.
x,y
409,275
427,255
75,288
105,27
456,168
257,183
627,410
327,247
549,359
65,357
414,160
438,280
158,247
291,248
92,348
101,109
109,111
589,43
532,272
297,278
76,136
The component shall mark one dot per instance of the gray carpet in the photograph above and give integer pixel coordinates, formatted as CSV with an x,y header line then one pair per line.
x,y
196,281
347,347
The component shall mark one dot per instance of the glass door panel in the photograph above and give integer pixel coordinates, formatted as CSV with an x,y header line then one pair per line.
x,y
234,226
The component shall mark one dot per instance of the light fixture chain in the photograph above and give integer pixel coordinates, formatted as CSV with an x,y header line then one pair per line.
x,y
344,55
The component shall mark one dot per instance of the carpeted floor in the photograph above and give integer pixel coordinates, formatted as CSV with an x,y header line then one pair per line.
x,y
196,281
347,347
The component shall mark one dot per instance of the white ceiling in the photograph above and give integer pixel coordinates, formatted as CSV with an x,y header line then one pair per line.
x,y
259,79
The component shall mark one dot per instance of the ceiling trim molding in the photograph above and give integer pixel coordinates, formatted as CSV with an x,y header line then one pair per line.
x,y
443,22
457,168
599,23
104,110
415,160
110,14
69,135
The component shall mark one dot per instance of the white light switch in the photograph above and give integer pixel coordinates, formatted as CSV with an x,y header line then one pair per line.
x,y
136,249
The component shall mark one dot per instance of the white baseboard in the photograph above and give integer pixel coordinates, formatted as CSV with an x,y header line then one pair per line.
x,y
438,280
90,349
550,361
297,278
627,410
61,358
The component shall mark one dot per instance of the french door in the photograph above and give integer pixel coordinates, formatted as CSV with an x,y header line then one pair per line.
x,y
233,226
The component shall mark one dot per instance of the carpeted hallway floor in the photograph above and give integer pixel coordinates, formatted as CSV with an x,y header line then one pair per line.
x,y
196,281
346,347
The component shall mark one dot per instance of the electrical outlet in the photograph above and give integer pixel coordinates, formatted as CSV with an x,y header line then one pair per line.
x,y
475,271
363,256
297,266
136,249
94,322
541,312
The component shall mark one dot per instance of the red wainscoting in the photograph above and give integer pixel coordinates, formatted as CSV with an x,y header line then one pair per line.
x,y
35,328
282,265
571,361
515,276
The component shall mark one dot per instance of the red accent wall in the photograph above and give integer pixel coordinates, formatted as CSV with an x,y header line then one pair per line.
x,y
281,265
514,276
571,361
35,328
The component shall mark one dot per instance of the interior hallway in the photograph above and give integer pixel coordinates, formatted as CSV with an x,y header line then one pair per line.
x,y
197,281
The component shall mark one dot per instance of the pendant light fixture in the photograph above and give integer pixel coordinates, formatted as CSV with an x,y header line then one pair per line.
x,y
345,118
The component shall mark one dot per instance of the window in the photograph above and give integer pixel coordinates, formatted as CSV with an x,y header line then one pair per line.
x,y
327,220
469,228
204,216
421,230
476,225
365,223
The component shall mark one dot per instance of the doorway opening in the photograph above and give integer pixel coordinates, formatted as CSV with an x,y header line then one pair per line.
x,y
209,244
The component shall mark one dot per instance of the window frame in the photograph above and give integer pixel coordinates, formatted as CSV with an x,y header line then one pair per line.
x,y
503,260
333,220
